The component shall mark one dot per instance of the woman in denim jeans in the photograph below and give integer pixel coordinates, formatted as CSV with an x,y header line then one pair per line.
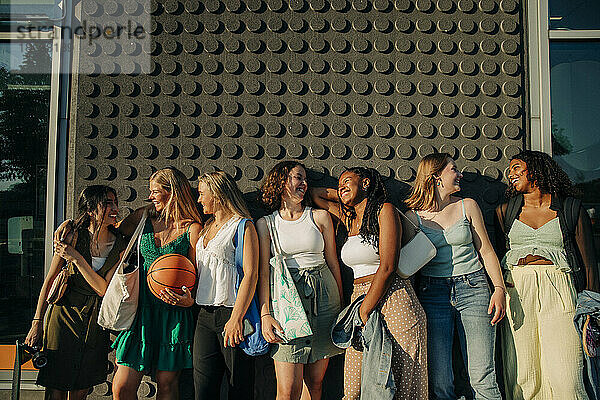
x,y
454,289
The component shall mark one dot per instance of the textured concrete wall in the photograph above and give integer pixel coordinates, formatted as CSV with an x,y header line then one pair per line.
x,y
239,85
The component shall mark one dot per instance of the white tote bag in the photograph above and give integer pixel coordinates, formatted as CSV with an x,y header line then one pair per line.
x,y
285,300
120,301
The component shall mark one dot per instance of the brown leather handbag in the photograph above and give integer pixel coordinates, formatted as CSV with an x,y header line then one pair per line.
x,y
59,285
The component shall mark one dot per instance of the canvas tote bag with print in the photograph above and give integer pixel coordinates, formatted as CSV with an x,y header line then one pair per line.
x,y
120,301
285,300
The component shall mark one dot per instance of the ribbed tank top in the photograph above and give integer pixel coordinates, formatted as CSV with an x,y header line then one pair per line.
x,y
456,254
360,256
545,241
301,240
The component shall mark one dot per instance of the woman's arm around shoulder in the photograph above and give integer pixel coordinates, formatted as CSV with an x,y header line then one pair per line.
x,y
486,253
127,226
326,199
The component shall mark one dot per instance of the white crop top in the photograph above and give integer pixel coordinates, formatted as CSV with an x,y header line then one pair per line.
x,y
216,267
301,240
361,256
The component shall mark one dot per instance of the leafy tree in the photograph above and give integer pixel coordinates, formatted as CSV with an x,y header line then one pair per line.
x,y
24,112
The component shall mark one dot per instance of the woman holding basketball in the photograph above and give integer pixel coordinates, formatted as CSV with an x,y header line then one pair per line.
x,y
220,326
160,338
75,344
307,242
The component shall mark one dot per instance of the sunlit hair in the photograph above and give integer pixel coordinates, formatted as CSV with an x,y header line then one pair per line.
x,y
225,192
422,196
273,185
545,173
181,206
376,195
87,207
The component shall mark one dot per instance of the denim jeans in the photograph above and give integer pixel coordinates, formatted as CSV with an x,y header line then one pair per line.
x,y
460,303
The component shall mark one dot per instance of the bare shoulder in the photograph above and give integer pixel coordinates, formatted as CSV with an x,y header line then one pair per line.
x,y
470,204
320,215
195,228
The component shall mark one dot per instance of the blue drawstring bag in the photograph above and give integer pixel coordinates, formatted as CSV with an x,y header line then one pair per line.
x,y
253,344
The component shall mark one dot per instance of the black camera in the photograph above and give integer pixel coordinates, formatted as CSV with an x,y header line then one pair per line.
x,y
37,357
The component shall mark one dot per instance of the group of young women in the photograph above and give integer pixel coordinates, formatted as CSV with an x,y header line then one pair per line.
x,y
460,292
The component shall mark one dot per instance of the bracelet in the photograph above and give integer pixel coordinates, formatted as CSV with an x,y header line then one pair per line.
x,y
36,319
264,315
501,287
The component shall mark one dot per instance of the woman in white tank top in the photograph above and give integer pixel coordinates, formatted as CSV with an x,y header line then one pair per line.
x,y
307,244
220,328
372,250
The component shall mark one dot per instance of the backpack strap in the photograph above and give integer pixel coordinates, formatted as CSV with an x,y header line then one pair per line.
x,y
513,209
238,243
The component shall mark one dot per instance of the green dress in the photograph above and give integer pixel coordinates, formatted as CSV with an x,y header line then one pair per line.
x,y
76,346
161,335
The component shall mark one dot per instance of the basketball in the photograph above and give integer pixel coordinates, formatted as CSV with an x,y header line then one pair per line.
x,y
171,271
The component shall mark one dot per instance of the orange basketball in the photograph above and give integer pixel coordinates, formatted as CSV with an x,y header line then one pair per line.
x,y
171,271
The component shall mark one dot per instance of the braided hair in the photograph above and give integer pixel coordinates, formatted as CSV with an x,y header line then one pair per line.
x,y
376,195
547,175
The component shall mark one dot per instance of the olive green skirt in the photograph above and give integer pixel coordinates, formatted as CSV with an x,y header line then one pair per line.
x,y
321,311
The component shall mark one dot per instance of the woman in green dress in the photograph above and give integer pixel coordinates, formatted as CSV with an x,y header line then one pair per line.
x,y
76,346
161,336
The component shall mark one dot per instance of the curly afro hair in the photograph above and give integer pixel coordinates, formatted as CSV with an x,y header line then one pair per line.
x,y
547,175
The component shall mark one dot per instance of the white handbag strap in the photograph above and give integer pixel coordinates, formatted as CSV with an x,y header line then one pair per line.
x,y
135,237
418,228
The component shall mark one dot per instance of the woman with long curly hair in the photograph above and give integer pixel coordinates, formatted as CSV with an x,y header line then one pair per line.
x,y
76,346
453,286
307,243
372,251
547,262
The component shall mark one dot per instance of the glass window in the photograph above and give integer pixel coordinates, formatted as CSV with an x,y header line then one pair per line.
x,y
25,69
574,14
575,103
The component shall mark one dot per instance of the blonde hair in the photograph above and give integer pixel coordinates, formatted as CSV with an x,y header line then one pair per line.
x,y
422,196
226,192
181,206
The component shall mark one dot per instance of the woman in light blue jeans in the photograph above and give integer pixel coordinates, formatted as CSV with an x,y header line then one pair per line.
x,y
454,289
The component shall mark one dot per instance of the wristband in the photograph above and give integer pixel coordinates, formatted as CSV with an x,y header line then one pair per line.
x,y
36,319
501,287
264,315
